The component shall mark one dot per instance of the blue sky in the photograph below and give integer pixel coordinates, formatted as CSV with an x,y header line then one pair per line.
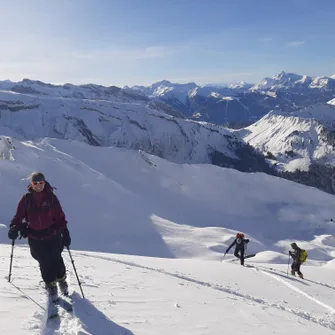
x,y
138,42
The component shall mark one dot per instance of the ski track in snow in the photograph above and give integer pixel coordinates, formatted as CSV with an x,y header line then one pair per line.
x,y
294,288
327,322
284,273
83,320
66,324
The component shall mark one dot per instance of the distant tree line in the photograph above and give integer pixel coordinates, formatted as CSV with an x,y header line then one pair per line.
x,y
249,160
319,176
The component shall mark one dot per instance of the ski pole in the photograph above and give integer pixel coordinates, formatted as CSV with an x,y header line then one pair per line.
x,y
72,261
288,263
11,261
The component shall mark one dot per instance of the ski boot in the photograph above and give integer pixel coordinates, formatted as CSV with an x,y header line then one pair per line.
x,y
293,273
63,286
52,291
301,276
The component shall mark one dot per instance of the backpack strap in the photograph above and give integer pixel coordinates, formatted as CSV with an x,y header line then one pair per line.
x,y
27,205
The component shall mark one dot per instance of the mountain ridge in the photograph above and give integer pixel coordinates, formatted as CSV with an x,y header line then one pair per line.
x,y
241,104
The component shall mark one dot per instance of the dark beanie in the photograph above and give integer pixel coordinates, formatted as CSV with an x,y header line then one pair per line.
x,y
37,176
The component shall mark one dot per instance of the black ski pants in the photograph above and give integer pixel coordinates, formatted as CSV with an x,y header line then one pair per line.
x,y
239,253
296,267
48,254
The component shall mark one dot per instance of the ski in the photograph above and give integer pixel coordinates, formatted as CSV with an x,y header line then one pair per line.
x,y
52,310
66,303
249,256
54,305
237,259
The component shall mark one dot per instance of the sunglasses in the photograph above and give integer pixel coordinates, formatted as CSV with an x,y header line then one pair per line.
x,y
38,182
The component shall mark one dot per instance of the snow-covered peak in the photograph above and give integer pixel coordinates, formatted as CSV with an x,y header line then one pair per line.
x,y
162,90
303,80
295,140
240,85
204,91
287,77
295,82
186,86
332,102
283,80
333,76
166,90
323,83
164,86
265,84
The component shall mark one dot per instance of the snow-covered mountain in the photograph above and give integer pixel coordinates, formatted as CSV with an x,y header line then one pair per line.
x,y
242,85
241,104
283,80
136,121
295,83
124,205
126,124
85,92
165,87
297,139
232,105
90,91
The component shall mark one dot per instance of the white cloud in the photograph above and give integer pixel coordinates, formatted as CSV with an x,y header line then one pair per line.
x,y
295,43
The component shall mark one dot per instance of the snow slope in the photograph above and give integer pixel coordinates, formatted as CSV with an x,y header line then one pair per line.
x,y
123,206
295,139
124,198
146,296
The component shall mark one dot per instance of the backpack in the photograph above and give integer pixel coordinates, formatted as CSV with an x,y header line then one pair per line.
x,y
303,256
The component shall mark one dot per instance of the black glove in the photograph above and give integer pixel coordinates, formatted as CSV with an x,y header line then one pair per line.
x,y
13,233
24,231
290,253
66,237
